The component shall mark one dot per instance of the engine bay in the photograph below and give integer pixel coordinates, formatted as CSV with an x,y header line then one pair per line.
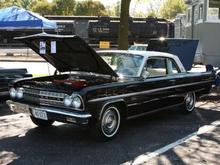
x,y
66,81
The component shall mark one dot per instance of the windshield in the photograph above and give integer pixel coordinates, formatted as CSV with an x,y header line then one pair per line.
x,y
133,47
122,63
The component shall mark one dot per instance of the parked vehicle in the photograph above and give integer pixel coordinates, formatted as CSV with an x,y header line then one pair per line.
x,y
141,47
7,75
99,89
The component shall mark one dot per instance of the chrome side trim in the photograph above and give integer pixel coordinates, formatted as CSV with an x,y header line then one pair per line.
x,y
146,92
53,110
153,111
144,102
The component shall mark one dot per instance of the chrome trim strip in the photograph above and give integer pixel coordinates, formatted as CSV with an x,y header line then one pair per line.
x,y
153,111
146,92
44,93
54,110
72,114
52,94
56,102
144,102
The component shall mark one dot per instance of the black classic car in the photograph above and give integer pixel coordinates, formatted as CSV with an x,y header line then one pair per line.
x,y
7,75
99,89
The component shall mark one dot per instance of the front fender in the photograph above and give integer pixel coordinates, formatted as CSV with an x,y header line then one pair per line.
x,y
96,108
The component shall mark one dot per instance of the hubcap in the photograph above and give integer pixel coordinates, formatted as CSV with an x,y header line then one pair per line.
x,y
190,101
110,122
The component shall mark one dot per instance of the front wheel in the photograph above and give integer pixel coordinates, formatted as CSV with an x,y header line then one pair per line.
x,y
189,102
108,125
41,123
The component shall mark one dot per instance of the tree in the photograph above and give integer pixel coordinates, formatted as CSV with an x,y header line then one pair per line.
x,y
171,8
90,8
44,8
27,4
113,10
117,8
20,3
123,28
65,7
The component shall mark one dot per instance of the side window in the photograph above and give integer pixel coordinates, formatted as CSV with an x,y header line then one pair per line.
x,y
172,67
156,67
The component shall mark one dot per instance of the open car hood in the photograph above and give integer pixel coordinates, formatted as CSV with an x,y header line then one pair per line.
x,y
67,53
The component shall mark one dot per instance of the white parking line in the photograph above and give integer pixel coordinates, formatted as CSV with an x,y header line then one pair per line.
x,y
147,156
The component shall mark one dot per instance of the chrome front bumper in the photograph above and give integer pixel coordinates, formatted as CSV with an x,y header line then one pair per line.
x,y
53,113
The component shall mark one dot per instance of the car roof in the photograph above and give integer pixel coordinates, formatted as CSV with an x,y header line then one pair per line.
x,y
142,53
140,45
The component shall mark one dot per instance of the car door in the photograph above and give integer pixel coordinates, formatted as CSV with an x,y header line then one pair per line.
x,y
159,79
176,78
158,86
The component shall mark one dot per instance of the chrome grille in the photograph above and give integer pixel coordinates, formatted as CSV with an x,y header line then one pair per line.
x,y
44,97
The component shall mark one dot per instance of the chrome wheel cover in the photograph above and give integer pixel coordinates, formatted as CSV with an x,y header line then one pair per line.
x,y
190,101
110,121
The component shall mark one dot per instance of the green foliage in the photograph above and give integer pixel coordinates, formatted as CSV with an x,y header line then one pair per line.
x,y
60,7
171,8
117,8
44,8
152,14
27,4
65,7
114,10
90,8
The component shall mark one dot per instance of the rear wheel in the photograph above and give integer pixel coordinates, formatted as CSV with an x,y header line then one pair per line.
x,y
41,123
189,102
108,125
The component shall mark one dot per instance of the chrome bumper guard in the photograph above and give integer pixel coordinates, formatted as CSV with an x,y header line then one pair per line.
x,y
24,108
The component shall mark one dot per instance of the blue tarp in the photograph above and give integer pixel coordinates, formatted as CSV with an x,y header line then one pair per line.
x,y
19,18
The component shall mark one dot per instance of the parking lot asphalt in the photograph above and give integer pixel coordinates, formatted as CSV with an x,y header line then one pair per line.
x,y
21,142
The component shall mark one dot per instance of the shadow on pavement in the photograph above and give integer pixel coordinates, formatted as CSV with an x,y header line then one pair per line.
x,y
201,150
4,110
68,144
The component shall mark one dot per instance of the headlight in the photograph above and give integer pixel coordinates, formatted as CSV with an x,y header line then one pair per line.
x,y
76,103
12,92
19,93
67,101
